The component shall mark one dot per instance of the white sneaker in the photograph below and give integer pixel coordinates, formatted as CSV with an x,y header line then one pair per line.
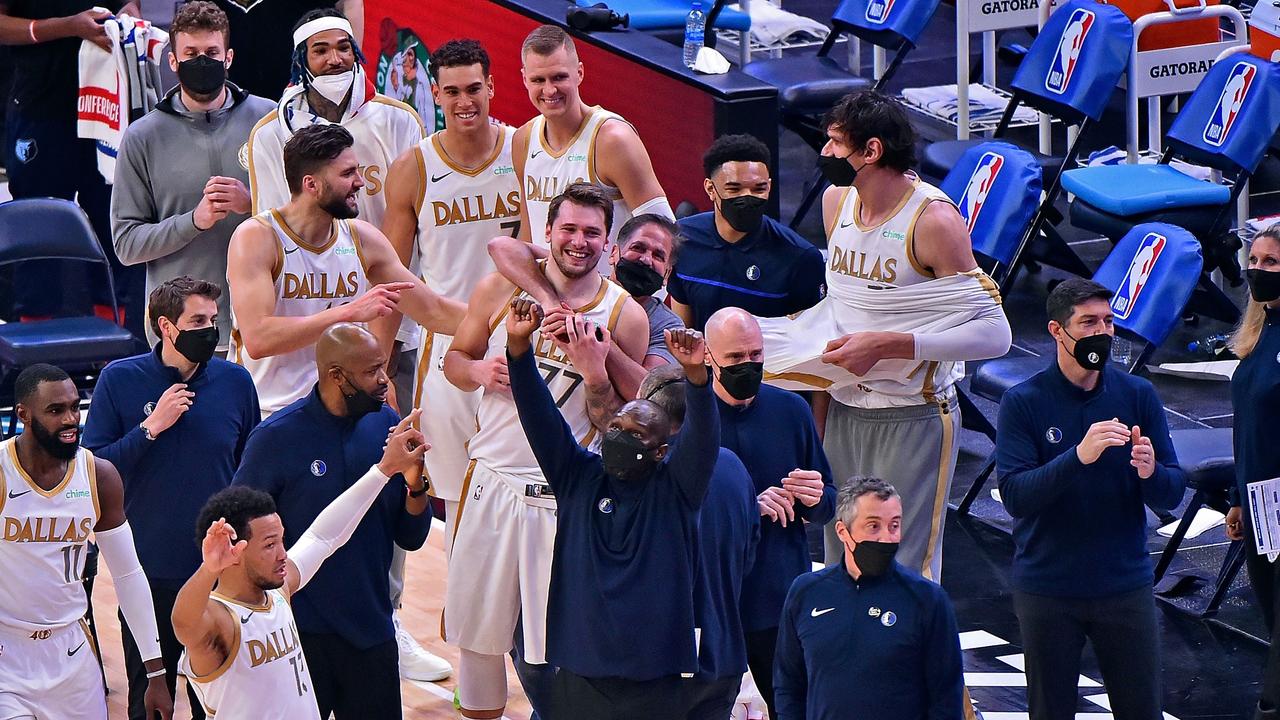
x,y
415,662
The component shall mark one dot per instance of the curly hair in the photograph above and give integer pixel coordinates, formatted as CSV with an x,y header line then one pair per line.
x,y
238,505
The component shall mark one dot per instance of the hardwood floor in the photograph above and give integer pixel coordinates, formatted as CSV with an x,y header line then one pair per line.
x,y
423,598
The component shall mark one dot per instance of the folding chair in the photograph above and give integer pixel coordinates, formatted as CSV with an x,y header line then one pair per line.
x,y
52,229
1152,271
1227,124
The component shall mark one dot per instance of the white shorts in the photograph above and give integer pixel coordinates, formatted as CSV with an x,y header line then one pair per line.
x,y
50,674
448,418
500,567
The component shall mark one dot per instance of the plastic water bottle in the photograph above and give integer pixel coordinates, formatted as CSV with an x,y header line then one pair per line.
x,y
1213,347
694,28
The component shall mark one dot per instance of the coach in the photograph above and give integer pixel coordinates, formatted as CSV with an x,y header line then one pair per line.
x,y
1081,449
305,456
627,520
174,421
183,170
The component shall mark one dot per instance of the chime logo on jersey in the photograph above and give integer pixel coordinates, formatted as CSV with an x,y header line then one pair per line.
x,y
1144,261
1224,113
1068,55
878,10
980,184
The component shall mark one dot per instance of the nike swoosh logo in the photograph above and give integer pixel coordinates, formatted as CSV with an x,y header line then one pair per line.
x,y
535,155
246,618
845,224
819,613
13,494
438,178
290,252
73,652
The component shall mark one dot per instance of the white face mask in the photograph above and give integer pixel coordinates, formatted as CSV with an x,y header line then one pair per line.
x,y
334,88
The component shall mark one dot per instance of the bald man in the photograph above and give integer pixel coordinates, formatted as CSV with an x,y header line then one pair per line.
x,y
306,455
773,433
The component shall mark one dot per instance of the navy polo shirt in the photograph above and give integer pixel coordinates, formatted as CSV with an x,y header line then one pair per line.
x,y
305,457
168,480
1255,398
770,273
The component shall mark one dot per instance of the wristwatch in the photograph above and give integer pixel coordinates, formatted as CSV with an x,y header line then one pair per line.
x,y
146,433
419,492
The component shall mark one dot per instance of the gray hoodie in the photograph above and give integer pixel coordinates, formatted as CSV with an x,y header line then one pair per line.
x,y
164,162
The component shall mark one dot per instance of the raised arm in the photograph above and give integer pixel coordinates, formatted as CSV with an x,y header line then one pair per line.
x,y
517,260
252,262
203,627
695,449
115,541
606,392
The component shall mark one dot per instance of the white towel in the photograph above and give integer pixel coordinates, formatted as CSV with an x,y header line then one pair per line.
x,y
793,346
771,25
984,104
118,84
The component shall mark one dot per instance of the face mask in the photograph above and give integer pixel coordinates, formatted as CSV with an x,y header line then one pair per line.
x,y
742,381
197,345
636,278
1264,286
202,75
874,558
837,170
334,88
744,213
359,402
625,456
1092,352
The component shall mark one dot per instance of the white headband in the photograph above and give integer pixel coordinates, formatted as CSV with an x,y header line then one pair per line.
x,y
329,22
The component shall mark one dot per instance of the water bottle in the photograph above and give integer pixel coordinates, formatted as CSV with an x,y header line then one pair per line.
x,y
1213,347
694,28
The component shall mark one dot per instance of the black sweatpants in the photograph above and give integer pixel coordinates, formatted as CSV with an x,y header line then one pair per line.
x,y
1263,577
44,158
1122,630
712,699
579,698
353,683
162,598
761,645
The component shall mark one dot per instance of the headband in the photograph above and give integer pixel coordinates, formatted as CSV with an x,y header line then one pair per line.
x,y
329,22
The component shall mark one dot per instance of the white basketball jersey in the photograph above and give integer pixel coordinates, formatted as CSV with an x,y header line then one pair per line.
x,y
547,174
265,674
461,211
308,280
44,542
499,443
883,255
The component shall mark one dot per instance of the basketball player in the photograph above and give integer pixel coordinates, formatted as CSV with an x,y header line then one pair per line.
x,y
295,270
243,655
889,231
570,141
500,567
446,198
53,494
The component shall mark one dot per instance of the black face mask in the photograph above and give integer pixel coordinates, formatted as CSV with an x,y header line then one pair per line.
x,y
742,381
197,345
1092,352
874,558
744,213
636,278
626,458
359,402
202,76
837,170
1264,285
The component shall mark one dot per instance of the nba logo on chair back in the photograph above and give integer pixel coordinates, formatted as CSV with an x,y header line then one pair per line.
x,y
878,10
1064,62
1232,99
980,184
1144,262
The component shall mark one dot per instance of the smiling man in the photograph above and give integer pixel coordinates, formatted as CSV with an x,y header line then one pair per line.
x,y
297,269
305,457
570,141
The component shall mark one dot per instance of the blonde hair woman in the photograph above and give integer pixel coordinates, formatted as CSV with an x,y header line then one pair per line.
x,y
1255,398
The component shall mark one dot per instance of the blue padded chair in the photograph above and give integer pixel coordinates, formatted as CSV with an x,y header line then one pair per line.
x,y
53,229
1227,124
997,187
809,85
1152,271
651,15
